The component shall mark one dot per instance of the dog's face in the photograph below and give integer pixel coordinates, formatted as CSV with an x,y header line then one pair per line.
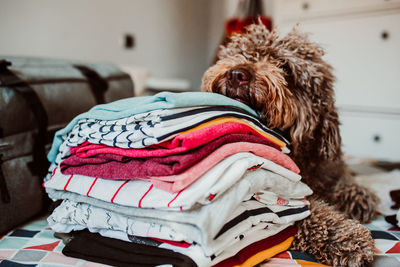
x,y
286,81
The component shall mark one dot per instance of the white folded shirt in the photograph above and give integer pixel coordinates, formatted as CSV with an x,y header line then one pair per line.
x,y
137,193
247,215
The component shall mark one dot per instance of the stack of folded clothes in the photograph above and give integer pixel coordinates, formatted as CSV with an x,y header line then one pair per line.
x,y
187,179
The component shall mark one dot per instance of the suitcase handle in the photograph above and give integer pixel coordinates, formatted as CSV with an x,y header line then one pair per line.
x,y
97,84
4,64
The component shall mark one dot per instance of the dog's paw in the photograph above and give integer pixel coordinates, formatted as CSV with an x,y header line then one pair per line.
x,y
356,201
333,239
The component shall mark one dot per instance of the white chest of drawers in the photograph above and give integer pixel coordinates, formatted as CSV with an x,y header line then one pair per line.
x,y
362,43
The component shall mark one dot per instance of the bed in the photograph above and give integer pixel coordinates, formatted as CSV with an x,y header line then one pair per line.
x,y
34,244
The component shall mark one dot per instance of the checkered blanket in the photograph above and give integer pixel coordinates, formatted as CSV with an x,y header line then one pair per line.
x,y
35,245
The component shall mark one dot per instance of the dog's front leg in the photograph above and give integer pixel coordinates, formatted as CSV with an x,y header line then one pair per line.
x,y
334,182
354,200
332,238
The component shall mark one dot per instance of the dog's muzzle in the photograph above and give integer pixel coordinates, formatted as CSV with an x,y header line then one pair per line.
x,y
238,88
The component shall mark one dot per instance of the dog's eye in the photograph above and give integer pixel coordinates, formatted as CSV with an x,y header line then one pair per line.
x,y
285,68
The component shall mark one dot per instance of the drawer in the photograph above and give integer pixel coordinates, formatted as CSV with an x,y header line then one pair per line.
x,y
371,135
364,52
295,10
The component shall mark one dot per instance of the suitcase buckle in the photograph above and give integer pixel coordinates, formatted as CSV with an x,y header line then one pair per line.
x,y
5,146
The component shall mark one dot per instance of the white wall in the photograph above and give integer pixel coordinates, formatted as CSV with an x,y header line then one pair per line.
x,y
171,35
217,18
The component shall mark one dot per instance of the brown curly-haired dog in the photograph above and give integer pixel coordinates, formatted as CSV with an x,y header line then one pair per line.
x,y
289,84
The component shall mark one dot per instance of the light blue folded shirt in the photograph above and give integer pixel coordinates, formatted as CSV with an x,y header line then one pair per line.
x,y
130,106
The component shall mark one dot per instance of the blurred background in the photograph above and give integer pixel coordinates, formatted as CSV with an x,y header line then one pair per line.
x,y
168,44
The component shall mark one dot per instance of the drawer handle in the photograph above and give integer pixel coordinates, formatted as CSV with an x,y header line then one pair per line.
x,y
377,138
385,35
305,6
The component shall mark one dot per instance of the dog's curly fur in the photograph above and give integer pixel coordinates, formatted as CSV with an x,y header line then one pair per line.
x,y
287,81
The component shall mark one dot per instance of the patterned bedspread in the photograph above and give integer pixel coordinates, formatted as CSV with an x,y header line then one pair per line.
x,y
35,245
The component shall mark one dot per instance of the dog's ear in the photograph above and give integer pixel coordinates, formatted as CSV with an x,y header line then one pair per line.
x,y
318,135
316,130
328,129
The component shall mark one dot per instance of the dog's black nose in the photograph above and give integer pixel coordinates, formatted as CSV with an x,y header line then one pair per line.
x,y
239,76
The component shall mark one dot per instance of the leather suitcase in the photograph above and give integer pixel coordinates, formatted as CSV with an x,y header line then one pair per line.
x,y
38,97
